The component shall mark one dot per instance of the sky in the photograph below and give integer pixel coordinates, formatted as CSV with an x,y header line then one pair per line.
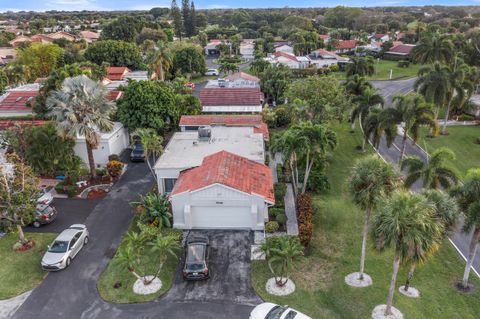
x,y
70,5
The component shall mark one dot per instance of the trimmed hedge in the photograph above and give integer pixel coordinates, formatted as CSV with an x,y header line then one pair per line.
x,y
275,211
281,219
280,173
280,189
271,226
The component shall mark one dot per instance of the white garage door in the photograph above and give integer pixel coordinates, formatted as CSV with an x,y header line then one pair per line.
x,y
221,217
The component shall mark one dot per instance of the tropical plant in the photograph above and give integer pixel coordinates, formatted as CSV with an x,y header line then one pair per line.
x,y
373,129
164,246
413,112
81,107
274,82
152,146
160,60
281,252
154,210
433,49
356,84
406,222
434,173
371,180
362,66
367,99
468,198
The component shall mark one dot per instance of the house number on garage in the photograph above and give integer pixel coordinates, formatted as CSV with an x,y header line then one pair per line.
x,y
219,203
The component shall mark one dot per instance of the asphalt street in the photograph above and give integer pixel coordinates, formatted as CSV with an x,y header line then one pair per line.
x,y
391,88
72,293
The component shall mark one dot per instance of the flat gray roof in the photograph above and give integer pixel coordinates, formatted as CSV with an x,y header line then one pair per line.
x,y
185,150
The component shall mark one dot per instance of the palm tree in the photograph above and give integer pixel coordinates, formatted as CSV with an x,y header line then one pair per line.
x,y
281,252
152,146
364,102
361,66
160,60
413,112
406,222
435,172
433,49
371,180
468,197
356,84
164,246
373,128
81,107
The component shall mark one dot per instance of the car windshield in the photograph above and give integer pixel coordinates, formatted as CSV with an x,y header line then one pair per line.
x,y
195,254
58,247
138,151
275,313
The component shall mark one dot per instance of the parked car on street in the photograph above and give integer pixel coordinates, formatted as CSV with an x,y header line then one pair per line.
x,y
212,72
196,258
45,197
65,247
45,214
269,310
138,153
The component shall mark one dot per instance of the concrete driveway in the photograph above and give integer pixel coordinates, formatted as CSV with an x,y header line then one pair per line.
x,y
229,265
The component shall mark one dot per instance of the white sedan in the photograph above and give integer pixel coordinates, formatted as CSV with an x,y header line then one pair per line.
x,y
269,310
65,247
212,72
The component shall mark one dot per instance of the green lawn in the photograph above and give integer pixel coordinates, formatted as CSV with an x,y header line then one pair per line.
x,y
21,271
115,272
461,140
321,291
382,71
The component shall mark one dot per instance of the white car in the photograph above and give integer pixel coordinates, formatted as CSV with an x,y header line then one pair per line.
x,y
269,310
45,197
212,72
65,247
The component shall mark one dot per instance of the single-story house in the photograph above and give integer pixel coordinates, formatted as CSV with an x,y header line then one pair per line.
x,y
380,37
247,48
117,76
113,142
187,149
235,80
226,191
286,48
399,52
346,46
321,58
288,60
19,101
211,48
7,55
194,122
90,36
325,38
17,42
63,35
231,100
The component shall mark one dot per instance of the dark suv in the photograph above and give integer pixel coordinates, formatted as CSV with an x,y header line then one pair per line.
x,y
137,154
196,258
45,214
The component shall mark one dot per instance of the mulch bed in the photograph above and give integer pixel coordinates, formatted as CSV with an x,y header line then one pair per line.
x,y
460,288
26,246
94,194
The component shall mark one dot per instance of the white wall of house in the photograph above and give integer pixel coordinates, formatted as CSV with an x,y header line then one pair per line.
x,y
219,206
284,48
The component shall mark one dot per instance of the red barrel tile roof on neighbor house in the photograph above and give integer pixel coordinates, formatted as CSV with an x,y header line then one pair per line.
x,y
228,120
17,101
231,96
114,95
242,76
230,170
347,44
402,49
116,73
4,124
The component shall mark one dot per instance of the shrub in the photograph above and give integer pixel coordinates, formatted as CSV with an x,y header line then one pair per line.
x,y
318,181
281,219
466,117
305,233
114,168
403,64
305,218
71,190
280,189
280,175
283,116
101,172
113,157
275,211
334,68
271,227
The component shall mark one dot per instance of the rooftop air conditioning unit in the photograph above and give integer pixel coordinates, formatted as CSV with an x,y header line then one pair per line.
x,y
222,83
204,133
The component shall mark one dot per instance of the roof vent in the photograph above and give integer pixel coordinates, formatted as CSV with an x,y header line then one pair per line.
x,y
204,132
18,99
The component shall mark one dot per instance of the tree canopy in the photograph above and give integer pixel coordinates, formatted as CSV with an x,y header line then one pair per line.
x,y
115,53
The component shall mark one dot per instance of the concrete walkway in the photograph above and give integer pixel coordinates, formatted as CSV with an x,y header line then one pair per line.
x,y
291,211
9,306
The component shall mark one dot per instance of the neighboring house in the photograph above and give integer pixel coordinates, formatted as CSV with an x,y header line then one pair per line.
x,y
226,191
7,55
380,37
399,52
346,46
114,95
113,142
211,48
41,38
187,149
322,58
193,122
19,40
89,36
325,38
286,48
235,80
289,60
62,35
117,76
247,48
18,101
231,100
5,124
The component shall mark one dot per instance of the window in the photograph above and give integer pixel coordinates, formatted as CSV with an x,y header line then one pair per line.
x,y
169,183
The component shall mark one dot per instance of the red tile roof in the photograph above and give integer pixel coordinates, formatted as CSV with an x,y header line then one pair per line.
x,y
231,96
243,76
4,124
403,49
17,101
228,120
114,95
230,170
347,44
285,55
379,36
90,34
116,73
324,36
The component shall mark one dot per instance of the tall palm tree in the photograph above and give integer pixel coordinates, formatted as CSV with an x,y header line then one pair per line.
x,y
406,222
160,60
81,107
468,197
368,98
164,246
362,66
413,112
152,146
435,173
433,49
373,129
355,84
371,180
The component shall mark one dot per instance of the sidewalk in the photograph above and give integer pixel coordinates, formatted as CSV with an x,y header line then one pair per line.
x,y
9,306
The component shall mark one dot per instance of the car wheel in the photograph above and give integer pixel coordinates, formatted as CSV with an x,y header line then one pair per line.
x,y
67,263
36,224
85,241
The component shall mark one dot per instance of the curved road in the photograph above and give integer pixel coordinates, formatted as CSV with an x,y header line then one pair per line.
x,y
72,293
